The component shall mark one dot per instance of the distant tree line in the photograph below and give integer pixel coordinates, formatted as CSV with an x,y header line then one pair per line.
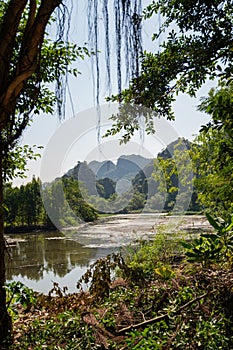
x,y
156,188
24,206
163,185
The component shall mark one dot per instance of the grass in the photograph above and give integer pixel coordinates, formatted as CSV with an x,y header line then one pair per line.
x,y
156,300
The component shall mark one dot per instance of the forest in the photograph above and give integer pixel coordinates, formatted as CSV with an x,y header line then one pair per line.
x,y
25,210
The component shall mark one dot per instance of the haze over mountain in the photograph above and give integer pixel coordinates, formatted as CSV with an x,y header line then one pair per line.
x,y
126,166
137,177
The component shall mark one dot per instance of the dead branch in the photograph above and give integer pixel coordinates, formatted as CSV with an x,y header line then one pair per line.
x,y
162,317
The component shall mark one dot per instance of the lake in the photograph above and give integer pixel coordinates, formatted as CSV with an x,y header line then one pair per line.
x,y
41,258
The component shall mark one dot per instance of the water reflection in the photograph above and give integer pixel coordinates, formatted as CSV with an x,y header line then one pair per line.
x,y
37,257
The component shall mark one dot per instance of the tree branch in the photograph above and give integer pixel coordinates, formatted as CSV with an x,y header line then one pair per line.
x,y
8,32
162,317
28,61
31,45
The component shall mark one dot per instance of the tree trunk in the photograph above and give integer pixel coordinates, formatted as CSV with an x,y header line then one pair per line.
x,y
11,86
5,320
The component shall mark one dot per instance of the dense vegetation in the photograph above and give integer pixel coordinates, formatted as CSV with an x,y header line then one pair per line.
x,y
164,295
213,151
24,205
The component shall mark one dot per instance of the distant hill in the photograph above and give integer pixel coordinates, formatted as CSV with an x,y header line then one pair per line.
x,y
179,144
102,176
126,166
85,175
142,180
102,169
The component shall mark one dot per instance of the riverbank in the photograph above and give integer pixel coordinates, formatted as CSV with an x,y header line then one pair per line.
x,y
150,304
28,229
161,219
38,258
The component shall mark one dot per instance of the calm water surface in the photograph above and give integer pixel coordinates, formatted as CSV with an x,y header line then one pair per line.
x,y
39,259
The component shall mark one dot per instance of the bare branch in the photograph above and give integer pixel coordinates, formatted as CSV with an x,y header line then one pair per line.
x,y
162,317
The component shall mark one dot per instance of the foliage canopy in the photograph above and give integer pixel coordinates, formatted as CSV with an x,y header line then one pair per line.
x,y
212,151
198,46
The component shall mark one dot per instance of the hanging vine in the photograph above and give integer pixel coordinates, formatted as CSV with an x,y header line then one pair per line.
x,y
107,42
126,18
63,17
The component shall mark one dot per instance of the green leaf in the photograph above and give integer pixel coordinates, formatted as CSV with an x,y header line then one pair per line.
x,y
229,227
191,255
186,245
210,236
213,222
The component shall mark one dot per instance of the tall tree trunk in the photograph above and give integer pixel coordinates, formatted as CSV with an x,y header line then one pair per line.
x,y
11,86
5,320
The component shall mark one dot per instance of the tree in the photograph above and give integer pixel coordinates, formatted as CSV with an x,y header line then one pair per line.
x,y
198,46
23,206
11,204
155,202
137,201
212,151
105,187
28,61
80,208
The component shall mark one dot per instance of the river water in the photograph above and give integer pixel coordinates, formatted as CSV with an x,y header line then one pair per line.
x,y
41,258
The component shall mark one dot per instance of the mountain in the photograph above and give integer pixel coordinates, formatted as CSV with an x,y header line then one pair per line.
x,y
137,160
126,166
102,169
101,177
181,144
85,175
141,178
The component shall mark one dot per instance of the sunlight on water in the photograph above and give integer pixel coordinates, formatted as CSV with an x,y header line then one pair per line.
x,y
39,259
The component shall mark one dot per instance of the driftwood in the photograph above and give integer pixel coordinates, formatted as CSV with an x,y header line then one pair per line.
x,y
159,318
